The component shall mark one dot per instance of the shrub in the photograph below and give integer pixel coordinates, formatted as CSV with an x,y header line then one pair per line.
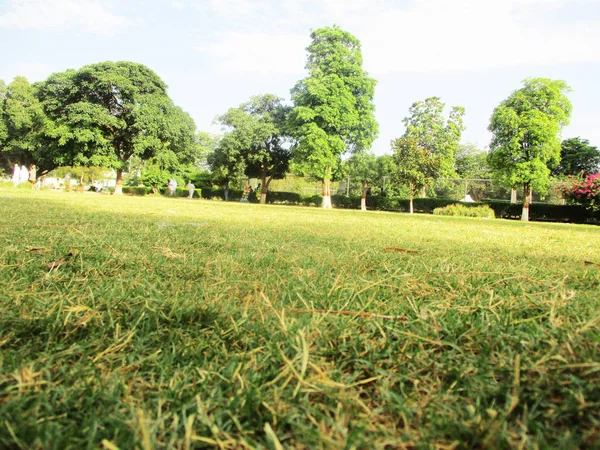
x,y
462,210
582,191
137,190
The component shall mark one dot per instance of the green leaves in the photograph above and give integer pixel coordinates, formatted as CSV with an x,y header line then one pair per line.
x,y
254,143
414,165
525,130
110,112
333,107
426,124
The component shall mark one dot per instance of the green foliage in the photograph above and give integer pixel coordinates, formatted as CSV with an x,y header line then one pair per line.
x,y
471,162
22,122
363,167
80,173
577,156
526,129
155,177
415,166
256,135
104,114
433,133
462,210
333,107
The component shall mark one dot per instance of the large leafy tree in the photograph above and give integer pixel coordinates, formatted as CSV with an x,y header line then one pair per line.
x,y
364,168
576,156
22,126
104,114
256,132
334,110
434,133
414,166
525,140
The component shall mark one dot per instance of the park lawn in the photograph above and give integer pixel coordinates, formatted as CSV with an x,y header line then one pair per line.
x,y
175,323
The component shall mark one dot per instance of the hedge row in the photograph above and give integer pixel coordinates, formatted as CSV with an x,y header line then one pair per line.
x,y
502,209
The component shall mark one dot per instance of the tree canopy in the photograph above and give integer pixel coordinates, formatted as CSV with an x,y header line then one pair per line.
x,y
104,114
526,140
577,156
333,107
471,162
21,125
256,134
414,165
427,125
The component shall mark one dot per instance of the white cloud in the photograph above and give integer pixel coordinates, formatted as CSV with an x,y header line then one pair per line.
x,y
258,52
438,35
420,35
64,14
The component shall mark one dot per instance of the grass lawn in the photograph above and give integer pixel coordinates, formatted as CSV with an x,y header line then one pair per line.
x,y
149,322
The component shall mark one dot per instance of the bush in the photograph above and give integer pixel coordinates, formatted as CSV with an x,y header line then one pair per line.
x,y
582,191
137,190
463,210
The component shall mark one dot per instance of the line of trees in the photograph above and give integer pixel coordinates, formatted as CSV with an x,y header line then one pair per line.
x,y
118,115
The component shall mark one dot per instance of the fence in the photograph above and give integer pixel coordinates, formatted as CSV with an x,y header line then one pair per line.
x,y
452,188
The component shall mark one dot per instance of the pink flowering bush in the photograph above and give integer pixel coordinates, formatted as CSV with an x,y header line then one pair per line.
x,y
583,190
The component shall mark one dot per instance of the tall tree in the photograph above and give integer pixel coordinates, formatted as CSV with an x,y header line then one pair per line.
x,y
525,140
364,168
256,133
576,156
427,125
334,110
23,123
414,166
104,114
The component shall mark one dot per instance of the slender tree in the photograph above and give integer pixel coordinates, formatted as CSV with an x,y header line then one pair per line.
x,y
526,140
104,114
334,110
363,167
427,125
414,166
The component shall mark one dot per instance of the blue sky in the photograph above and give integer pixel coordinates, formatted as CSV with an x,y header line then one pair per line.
x,y
215,54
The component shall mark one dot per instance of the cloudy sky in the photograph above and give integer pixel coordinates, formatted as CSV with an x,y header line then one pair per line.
x,y
215,54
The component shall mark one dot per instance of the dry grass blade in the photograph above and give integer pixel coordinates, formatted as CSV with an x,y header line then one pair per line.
x,y
401,250
60,262
36,249
168,253
347,313
590,263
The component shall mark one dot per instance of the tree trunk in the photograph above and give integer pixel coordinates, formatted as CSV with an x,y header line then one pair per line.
x,y
363,198
264,186
226,190
327,189
326,194
119,185
526,201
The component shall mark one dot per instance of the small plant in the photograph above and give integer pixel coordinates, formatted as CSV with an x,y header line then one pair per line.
x,y
461,210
